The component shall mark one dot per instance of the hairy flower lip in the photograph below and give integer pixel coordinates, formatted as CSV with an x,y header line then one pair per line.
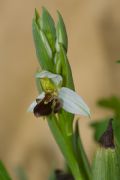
x,y
47,105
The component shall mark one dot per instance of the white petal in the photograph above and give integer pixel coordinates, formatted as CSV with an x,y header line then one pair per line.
x,y
73,103
32,106
41,96
34,103
56,78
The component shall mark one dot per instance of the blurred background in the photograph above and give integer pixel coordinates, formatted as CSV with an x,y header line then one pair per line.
x,y
94,45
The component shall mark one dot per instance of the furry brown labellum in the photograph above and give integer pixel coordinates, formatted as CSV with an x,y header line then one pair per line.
x,y
50,103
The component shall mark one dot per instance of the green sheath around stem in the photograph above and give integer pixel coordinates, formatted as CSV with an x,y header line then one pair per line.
x,y
105,165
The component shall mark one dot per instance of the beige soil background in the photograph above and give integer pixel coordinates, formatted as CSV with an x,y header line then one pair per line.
x,y
94,45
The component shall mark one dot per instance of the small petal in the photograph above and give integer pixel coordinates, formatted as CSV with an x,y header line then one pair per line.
x,y
34,103
41,96
73,103
57,79
32,106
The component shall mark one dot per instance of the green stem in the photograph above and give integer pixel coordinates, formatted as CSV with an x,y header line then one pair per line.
x,y
65,147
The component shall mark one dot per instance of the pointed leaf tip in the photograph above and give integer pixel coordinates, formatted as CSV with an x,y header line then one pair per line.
x,y
61,32
36,15
48,26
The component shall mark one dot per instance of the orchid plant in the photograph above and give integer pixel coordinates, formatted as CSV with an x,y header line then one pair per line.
x,y
57,100
58,103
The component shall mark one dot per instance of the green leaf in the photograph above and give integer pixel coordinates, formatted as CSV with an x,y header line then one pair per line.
x,y
112,103
66,69
61,33
66,72
117,151
37,18
58,63
43,50
105,165
48,27
99,127
3,172
63,68
116,127
65,147
81,155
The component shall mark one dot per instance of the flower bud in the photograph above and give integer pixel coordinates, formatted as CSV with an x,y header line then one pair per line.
x,y
105,164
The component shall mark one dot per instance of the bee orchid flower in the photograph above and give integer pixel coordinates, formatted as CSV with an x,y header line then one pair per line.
x,y
55,97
